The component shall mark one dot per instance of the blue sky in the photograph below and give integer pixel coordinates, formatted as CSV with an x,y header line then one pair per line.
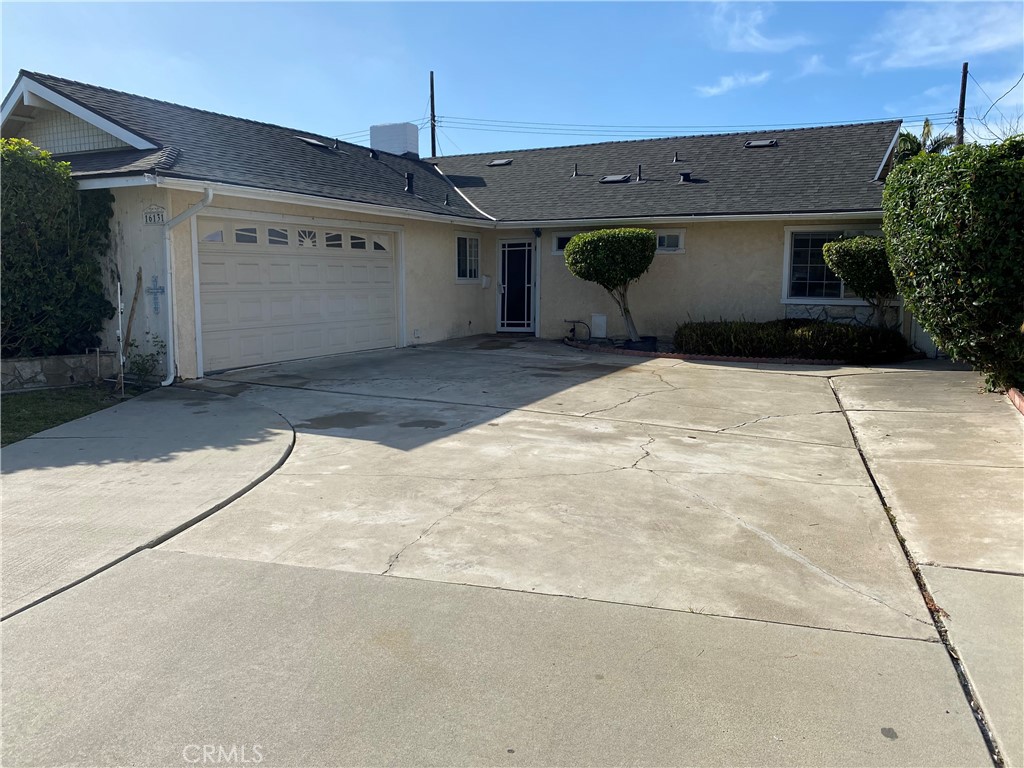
x,y
674,68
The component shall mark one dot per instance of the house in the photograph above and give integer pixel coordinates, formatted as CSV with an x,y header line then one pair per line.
x,y
259,243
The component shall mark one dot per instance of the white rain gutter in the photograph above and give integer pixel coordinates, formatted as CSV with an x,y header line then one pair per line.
x,y
185,215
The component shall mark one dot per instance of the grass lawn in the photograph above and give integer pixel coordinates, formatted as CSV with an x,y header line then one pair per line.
x,y
24,414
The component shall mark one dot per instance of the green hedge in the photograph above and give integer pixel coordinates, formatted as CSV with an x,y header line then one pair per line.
x,y
805,339
53,238
954,226
863,265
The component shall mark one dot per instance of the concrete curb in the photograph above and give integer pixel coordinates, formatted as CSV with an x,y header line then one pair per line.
x,y
700,358
1016,399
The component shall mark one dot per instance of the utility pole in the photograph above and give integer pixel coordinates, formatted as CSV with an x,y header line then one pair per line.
x,y
433,116
959,111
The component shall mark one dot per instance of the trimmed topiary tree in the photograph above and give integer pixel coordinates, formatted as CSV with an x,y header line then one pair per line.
x,y
53,236
863,265
954,225
613,258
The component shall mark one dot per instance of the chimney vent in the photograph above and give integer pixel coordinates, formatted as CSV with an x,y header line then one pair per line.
x,y
409,183
396,138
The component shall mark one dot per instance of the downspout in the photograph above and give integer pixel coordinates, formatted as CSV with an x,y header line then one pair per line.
x,y
168,226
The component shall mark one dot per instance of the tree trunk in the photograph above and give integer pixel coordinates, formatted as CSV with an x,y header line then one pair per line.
x,y
619,294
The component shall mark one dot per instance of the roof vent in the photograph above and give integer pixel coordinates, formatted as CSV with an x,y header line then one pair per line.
x,y
760,143
684,176
446,199
374,154
675,156
621,178
500,162
409,183
575,170
639,173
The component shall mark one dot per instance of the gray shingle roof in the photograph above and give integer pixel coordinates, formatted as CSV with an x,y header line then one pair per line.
x,y
811,170
232,150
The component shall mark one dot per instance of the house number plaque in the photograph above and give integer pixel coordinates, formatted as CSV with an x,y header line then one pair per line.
x,y
154,215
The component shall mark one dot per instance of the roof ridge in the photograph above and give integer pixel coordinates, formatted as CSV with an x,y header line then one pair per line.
x,y
310,134
671,138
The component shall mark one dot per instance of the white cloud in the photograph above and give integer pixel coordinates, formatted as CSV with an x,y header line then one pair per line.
x,y
922,34
813,65
738,28
728,83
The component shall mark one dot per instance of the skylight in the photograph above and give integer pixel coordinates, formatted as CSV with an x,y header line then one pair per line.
x,y
759,143
312,142
621,178
499,162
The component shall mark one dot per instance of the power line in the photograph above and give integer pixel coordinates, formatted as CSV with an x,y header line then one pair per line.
x,y
1002,97
988,97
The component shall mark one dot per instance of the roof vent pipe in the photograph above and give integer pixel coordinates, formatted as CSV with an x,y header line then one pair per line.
x,y
373,154
575,170
684,176
639,173
446,199
675,157
409,183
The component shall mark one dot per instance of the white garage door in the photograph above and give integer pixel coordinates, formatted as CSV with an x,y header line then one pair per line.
x,y
274,292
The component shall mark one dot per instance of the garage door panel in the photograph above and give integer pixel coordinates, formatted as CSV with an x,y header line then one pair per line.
x,y
265,303
213,273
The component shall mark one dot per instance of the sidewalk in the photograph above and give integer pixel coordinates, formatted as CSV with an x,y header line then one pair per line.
x,y
949,460
83,495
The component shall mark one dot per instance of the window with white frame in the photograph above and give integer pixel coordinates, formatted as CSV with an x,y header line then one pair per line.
x,y
467,257
808,277
670,241
559,240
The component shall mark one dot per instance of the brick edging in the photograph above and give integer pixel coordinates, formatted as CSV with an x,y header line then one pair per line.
x,y
705,358
1016,399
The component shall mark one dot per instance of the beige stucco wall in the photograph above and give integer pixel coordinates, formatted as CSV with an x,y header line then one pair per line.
x,y
730,270
135,245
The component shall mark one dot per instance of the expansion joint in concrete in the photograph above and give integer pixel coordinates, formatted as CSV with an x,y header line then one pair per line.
x,y
937,613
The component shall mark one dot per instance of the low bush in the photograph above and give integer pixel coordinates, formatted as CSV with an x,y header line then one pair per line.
x,y
805,339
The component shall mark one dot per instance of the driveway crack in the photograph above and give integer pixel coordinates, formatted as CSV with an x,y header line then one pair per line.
x,y
773,416
788,552
394,558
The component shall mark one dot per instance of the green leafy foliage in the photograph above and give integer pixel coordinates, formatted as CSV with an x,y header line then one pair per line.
x,y
863,265
53,237
954,225
613,258
908,145
791,338
143,365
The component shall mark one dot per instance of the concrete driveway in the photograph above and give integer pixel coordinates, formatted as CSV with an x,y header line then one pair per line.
x,y
684,564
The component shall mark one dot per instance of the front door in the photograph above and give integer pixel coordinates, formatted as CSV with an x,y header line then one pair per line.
x,y
515,309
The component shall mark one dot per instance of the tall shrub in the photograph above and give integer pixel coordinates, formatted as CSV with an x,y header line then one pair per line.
x,y
613,258
863,265
52,239
955,231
